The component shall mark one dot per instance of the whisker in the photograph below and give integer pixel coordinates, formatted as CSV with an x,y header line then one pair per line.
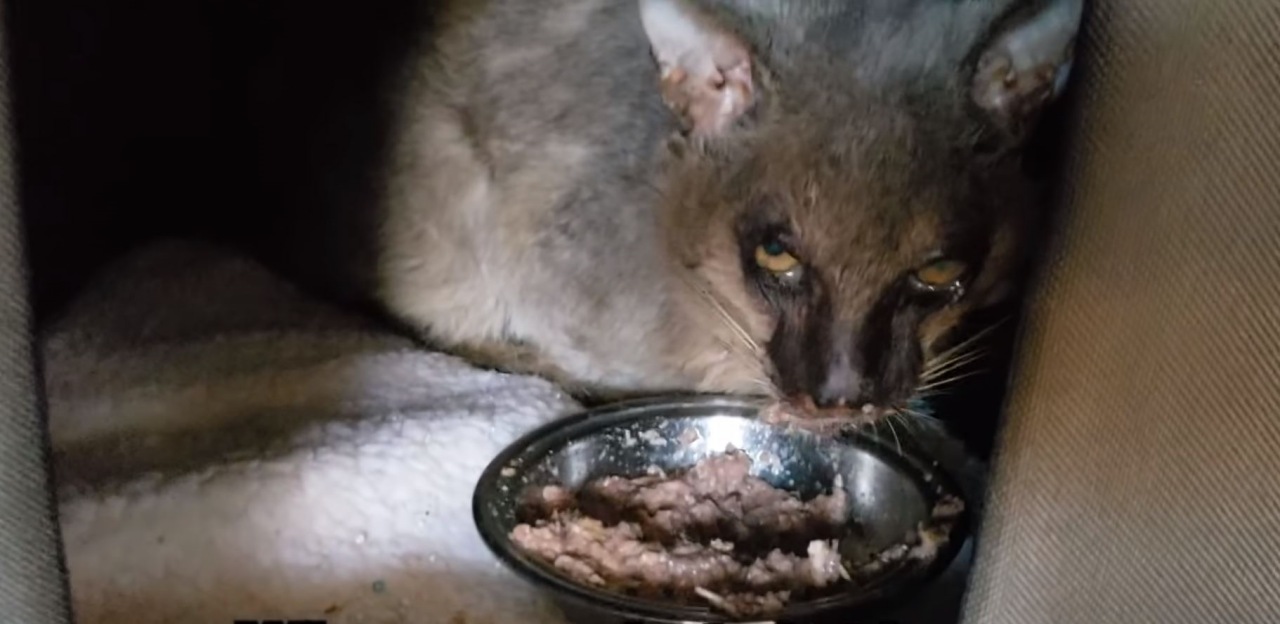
x,y
723,312
950,367
953,364
895,415
940,371
948,380
957,356
918,415
948,375
906,423
898,442
926,395
953,354
730,346
978,335
940,377
768,388
762,383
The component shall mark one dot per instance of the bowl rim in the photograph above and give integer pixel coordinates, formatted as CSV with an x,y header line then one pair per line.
x,y
921,468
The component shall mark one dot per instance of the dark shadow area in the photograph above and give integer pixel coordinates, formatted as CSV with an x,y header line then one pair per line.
x,y
311,126
208,119
115,124
973,406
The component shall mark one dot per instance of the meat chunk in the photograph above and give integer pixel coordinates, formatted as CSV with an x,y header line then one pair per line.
x,y
713,532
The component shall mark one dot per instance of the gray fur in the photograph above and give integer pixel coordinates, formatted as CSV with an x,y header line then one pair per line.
x,y
533,214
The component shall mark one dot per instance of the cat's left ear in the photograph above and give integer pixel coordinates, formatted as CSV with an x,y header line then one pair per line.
x,y
1025,63
705,69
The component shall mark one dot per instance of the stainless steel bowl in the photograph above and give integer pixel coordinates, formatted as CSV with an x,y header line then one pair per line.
x,y
893,489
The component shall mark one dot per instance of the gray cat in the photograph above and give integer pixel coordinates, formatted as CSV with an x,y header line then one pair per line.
x,y
797,198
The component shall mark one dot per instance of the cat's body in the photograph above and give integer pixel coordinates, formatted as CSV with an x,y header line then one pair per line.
x,y
746,214
525,206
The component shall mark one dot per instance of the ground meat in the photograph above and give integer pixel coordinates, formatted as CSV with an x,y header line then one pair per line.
x,y
717,498
713,532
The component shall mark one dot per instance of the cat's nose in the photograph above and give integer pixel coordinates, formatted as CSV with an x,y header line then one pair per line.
x,y
840,388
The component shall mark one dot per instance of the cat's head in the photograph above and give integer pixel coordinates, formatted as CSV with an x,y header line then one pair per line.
x,y
848,184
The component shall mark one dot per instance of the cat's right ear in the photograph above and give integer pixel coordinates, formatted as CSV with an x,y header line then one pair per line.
x,y
705,69
1026,63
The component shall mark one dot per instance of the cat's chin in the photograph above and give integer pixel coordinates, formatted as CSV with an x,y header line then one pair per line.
x,y
803,414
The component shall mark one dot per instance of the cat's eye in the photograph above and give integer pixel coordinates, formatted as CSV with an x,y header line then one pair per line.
x,y
773,257
943,274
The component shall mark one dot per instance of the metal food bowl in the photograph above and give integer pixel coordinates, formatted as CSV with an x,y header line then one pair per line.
x,y
892,489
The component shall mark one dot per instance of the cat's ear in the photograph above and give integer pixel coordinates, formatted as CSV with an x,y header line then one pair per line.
x,y
1025,63
705,69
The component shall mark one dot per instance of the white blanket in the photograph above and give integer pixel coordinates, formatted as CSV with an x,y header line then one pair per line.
x,y
228,448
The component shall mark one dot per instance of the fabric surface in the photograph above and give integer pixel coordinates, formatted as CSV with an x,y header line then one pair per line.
x,y
229,448
32,584
1136,477
226,448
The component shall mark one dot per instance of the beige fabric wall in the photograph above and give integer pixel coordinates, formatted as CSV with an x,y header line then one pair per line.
x,y
32,585
1139,473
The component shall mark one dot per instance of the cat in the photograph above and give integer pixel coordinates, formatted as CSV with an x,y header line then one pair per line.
x,y
795,199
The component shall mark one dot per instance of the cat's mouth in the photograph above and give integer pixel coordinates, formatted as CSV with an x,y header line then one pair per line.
x,y
801,411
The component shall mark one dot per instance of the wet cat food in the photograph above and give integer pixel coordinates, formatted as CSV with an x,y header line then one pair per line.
x,y
710,533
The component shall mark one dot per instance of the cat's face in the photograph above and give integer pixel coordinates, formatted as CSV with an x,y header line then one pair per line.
x,y
846,229
849,249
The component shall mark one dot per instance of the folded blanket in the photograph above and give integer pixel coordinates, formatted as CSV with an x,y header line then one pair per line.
x,y
229,448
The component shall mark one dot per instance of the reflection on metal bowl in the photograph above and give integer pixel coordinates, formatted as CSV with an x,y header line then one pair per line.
x,y
894,492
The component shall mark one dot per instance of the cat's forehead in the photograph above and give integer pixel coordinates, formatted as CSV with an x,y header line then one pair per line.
x,y
858,218
892,178
842,196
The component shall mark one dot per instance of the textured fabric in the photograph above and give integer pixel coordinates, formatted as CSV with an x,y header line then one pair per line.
x,y
227,447
32,585
1136,479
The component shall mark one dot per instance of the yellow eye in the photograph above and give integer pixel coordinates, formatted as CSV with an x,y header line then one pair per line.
x,y
942,273
774,258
